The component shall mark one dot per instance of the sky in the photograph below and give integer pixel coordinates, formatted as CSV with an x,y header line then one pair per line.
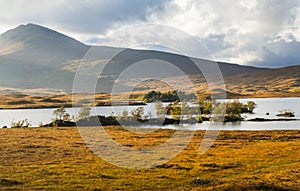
x,y
263,33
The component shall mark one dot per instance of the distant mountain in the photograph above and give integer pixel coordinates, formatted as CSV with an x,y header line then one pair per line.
x,y
279,82
40,45
32,56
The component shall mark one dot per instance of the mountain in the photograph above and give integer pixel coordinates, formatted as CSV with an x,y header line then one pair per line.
x,y
40,45
278,82
32,56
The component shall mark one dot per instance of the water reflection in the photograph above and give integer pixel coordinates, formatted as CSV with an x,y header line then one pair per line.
x,y
264,105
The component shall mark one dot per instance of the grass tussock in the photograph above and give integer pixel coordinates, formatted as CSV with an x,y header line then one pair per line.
x,y
58,159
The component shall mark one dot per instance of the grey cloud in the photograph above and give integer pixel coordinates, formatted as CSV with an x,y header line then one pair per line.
x,y
82,16
240,31
280,54
100,16
261,33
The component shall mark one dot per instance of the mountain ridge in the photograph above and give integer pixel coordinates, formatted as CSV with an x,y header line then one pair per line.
x,y
33,56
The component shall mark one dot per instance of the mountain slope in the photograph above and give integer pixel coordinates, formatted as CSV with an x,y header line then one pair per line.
x,y
127,57
36,43
32,56
279,82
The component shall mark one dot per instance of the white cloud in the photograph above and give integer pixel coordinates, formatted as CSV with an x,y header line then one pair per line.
x,y
246,31
236,31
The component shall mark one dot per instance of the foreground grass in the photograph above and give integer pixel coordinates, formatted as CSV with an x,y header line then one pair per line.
x,y
58,159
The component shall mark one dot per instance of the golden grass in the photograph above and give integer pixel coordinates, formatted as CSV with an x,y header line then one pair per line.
x,y
58,159
20,101
263,85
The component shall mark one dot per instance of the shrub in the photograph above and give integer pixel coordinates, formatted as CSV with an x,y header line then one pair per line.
x,y
84,112
21,123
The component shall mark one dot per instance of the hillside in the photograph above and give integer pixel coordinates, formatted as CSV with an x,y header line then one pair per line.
x,y
40,45
38,60
279,82
32,56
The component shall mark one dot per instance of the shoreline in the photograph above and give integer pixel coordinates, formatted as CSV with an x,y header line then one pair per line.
x,y
165,127
20,101
70,106
117,127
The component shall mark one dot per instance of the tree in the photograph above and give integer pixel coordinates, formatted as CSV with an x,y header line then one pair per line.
x,y
137,113
59,113
251,106
84,112
66,117
205,106
175,110
234,109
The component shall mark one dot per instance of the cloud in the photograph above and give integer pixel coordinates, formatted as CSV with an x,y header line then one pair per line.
x,y
101,16
262,33
240,31
79,16
279,54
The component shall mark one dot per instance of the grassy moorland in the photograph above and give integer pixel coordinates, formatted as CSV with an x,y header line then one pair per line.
x,y
22,101
58,159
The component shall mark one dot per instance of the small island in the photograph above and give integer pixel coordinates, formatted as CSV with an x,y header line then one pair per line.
x,y
286,113
189,110
171,108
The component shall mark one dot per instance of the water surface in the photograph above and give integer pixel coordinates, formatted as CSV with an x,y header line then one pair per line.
x,y
264,105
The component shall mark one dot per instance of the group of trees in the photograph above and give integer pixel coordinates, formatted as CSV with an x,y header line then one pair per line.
x,y
205,106
175,110
170,96
234,109
178,110
62,115
230,110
